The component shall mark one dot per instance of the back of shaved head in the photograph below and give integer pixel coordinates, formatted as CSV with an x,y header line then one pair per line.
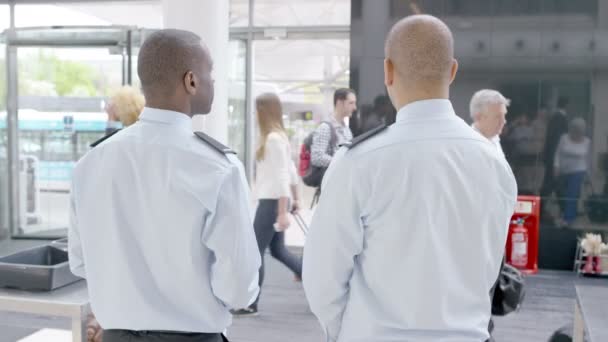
x,y
421,48
165,57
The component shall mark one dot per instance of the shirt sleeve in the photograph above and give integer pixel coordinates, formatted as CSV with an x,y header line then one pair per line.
x,y
293,171
277,154
228,233
335,238
75,256
320,144
293,174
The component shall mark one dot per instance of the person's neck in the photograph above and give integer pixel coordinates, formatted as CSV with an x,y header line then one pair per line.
x,y
339,118
411,94
170,104
482,131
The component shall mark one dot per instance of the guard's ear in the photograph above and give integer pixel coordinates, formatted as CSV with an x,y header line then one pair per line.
x,y
190,83
389,72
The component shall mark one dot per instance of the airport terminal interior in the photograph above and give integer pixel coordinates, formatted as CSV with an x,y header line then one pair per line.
x,y
61,62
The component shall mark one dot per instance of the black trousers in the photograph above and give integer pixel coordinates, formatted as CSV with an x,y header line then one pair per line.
x,y
159,336
265,217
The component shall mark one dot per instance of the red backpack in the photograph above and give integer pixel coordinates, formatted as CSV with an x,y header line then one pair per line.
x,y
313,175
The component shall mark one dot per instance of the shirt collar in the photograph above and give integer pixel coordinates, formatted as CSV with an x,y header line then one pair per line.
x,y
425,110
167,117
474,126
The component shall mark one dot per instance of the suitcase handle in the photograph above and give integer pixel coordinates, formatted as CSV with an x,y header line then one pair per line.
x,y
301,223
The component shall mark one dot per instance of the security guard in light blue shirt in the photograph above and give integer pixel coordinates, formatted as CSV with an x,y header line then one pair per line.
x,y
408,236
160,216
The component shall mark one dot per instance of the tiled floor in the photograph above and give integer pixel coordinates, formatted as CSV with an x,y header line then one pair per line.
x,y
285,316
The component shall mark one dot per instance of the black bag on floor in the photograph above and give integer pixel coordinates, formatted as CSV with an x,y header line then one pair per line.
x,y
509,291
597,208
563,334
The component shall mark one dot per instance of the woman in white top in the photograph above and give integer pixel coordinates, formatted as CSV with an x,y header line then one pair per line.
x,y
572,163
276,181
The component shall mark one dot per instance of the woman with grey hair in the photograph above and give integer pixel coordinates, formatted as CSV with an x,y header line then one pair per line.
x,y
571,165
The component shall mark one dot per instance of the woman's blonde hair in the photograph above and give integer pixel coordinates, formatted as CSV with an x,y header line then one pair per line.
x,y
127,103
270,119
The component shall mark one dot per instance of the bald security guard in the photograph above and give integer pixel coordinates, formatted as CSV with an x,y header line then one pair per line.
x,y
160,217
409,233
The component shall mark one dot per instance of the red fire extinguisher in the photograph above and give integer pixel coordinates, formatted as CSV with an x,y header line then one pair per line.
x,y
519,244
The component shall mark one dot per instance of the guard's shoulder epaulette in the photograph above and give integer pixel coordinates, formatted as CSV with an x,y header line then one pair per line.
x,y
216,145
104,138
361,138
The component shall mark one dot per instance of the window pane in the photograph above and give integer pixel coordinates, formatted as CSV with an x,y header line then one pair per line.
x,y
304,73
61,101
522,7
535,53
149,14
239,13
301,13
236,98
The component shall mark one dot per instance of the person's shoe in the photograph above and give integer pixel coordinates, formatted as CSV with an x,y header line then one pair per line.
x,y
598,265
588,267
250,311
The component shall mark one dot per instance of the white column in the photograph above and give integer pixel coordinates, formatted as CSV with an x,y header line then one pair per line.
x,y
208,19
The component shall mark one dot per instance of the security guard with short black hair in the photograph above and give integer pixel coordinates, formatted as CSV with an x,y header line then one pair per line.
x,y
160,216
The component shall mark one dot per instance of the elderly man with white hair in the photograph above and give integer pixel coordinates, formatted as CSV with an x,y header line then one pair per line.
x,y
488,110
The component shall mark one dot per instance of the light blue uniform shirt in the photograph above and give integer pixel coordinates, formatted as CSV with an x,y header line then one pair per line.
x,y
161,229
409,233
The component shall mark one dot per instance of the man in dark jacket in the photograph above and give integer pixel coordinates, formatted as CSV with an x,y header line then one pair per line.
x,y
557,126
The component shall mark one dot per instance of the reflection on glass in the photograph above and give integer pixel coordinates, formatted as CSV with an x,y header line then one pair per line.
x,y
542,56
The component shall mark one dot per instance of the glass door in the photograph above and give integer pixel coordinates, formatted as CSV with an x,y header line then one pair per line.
x,y
58,88
4,188
237,97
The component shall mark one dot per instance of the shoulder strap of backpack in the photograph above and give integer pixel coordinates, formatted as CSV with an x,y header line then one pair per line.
x,y
333,140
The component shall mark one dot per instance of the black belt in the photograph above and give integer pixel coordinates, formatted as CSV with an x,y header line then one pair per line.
x,y
168,332
172,332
